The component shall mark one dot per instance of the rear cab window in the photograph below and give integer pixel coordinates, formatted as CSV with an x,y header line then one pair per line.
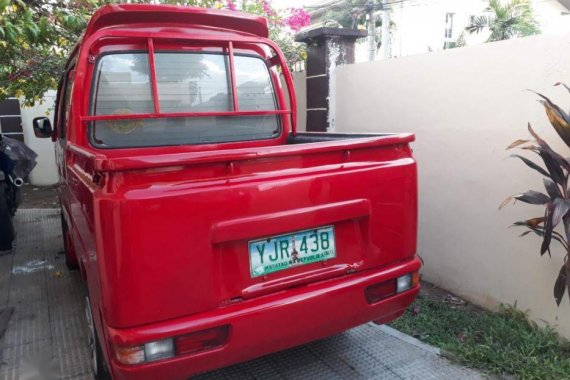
x,y
186,82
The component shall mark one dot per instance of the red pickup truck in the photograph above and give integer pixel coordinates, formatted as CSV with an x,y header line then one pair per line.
x,y
209,231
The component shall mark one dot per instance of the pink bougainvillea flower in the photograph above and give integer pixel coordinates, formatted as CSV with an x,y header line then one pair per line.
x,y
267,9
231,5
297,19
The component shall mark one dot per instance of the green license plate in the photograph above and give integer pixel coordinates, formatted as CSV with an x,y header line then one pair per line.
x,y
287,251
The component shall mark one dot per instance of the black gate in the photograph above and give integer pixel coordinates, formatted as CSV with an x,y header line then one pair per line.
x,y
11,119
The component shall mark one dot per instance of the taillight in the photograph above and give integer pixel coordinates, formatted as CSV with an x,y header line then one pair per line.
x,y
130,354
170,347
415,278
144,353
378,292
201,340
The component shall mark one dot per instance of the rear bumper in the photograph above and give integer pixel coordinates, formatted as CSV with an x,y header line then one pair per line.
x,y
271,323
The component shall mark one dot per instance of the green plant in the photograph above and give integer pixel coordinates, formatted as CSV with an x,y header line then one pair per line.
x,y
352,14
501,343
37,35
556,200
506,20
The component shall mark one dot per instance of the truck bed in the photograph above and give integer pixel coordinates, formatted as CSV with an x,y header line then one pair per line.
x,y
314,137
206,206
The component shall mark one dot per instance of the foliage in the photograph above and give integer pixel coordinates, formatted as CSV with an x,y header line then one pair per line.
x,y
506,20
501,343
461,41
556,200
36,36
352,14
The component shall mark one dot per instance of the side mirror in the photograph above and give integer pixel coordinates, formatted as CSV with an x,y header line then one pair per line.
x,y
42,127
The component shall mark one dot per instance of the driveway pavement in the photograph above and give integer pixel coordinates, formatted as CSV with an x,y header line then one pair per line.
x,y
46,335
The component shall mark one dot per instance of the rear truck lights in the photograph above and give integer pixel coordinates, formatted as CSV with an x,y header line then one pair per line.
x,y
171,347
202,340
161,349
130,355
403,283
378,292
148,352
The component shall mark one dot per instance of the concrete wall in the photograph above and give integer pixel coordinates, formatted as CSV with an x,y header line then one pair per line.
x,y
45,173
300,83
465,106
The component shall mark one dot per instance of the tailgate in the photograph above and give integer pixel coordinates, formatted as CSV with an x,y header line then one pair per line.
x,y
193,236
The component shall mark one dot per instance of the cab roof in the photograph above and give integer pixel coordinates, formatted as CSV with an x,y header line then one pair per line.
x,y
117,15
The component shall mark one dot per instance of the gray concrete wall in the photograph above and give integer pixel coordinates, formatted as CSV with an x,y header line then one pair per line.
x,y
300,83
465,106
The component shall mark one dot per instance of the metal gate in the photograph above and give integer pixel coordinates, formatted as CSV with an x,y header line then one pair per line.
x,y
11,119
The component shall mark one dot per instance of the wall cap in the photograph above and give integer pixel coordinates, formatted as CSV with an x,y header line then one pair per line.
x,y
324,32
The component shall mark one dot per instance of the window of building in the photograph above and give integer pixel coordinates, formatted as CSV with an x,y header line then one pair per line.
x,y
449,25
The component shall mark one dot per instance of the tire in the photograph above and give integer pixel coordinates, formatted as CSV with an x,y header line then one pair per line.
x,y
98,365
71,261
6,225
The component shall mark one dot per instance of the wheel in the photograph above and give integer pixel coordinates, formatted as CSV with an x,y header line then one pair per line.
x,y
70,257
6,225
98,365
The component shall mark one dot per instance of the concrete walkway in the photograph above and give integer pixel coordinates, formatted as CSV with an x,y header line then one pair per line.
x,y
46,335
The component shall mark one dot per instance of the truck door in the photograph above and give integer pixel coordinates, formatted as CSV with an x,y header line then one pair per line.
x,y
63,107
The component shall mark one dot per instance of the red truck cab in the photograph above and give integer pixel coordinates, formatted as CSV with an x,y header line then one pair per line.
x,y
209,231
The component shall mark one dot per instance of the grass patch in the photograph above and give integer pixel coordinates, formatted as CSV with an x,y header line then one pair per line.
x,y
499,343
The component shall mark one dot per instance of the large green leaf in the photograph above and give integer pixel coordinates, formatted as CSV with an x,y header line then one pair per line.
x,y
559,119
533,197
547,232
517,143
561,285
551,188
563,84
532,165
547,149
539,231
533,223
553,167
560,209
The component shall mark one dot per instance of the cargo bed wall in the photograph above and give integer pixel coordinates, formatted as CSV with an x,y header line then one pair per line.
x,y
314,137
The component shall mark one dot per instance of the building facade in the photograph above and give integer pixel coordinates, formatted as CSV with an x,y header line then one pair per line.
x,y
422,26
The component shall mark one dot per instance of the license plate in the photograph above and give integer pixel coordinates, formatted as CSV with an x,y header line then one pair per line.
x,y
287,251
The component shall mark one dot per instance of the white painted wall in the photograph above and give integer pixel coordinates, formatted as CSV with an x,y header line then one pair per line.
x,y
45,173
549,15
465,106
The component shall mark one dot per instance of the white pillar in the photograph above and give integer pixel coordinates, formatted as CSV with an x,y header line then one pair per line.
x,y
385,51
